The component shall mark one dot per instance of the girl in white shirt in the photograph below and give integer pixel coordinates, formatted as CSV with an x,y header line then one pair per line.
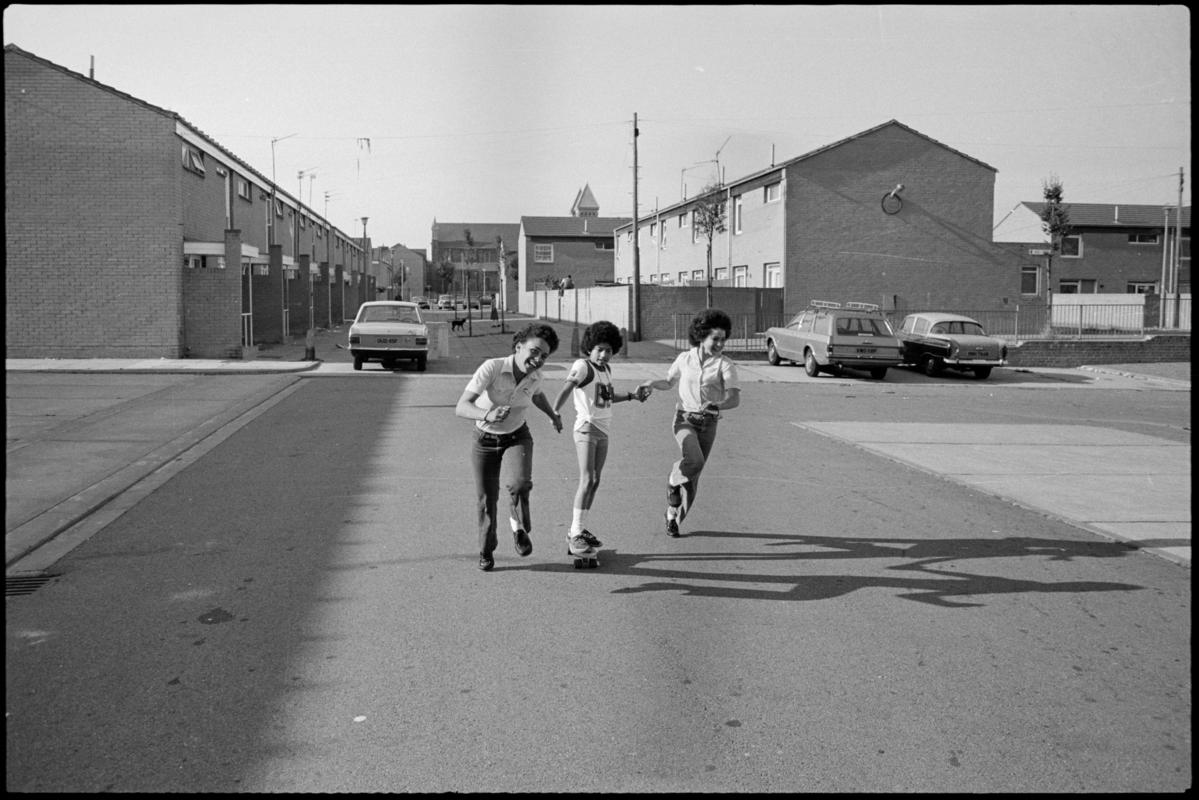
x,y
707,381
590,382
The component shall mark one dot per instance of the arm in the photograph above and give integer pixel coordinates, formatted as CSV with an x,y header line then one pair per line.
x,y
542,402
467,409
568,386
732,399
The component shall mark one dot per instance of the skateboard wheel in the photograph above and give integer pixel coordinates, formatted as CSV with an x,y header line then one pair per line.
x,y
578,563
592,564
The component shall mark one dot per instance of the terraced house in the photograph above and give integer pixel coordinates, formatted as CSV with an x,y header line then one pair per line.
x,y
130,233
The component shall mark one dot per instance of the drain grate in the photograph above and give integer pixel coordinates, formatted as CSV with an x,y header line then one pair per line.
x,y
17,585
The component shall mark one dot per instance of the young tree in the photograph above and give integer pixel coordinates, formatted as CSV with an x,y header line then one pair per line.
x,y
445,274
709,220
1055,222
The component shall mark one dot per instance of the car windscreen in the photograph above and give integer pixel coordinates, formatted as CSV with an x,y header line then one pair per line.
x,y
390,314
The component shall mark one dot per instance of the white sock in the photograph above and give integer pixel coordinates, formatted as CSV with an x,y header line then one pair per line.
x,y
576,525
515,525
672,512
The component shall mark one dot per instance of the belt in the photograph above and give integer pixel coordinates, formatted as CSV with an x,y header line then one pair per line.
x,y
501,438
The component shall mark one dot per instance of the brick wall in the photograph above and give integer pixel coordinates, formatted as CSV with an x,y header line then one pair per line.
x,y
212,315
93,252
1075,353
935,252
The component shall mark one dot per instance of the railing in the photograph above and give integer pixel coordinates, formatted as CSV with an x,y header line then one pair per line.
x,y
1068,321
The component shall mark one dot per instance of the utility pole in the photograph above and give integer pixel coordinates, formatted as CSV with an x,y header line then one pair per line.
x,y
635,333
271,215
1178,253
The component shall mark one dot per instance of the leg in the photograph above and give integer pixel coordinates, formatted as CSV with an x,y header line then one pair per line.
x,y
485,463
520,482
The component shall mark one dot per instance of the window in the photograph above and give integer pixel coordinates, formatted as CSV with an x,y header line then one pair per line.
x,y
1142,238
683,219
605,245
683,279
694,226
193,262
1184,248
1030,280
1076,286
737,214
278,208
721,274
1072,246
653,230
771,192
662,243
741,275
543,254
697,274
773,272
243,189
1142,287
193,160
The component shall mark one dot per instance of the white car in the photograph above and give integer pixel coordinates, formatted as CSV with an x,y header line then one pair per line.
x,y
389,331
937,341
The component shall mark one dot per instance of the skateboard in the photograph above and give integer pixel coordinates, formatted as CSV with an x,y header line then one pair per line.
x,y
589,558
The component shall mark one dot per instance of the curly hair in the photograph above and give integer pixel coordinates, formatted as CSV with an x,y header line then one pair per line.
x,y
602,332
705,321
538,330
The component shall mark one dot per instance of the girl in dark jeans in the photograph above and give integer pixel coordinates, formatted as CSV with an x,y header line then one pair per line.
x,y
496,397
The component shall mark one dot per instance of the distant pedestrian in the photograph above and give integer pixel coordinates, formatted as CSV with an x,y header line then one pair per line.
x,y
707,385
590,383
496,397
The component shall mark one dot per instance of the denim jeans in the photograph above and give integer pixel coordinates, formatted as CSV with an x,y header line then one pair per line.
x,y
487,456
695,442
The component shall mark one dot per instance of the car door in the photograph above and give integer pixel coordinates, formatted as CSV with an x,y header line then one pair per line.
x,y
789,342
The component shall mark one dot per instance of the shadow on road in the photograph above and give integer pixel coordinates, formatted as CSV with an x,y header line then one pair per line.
x,y
942,587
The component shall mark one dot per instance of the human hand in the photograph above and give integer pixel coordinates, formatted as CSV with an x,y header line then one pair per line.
x,y
496,414
643,392
557,420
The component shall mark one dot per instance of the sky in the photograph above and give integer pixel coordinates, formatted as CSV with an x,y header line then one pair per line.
x,y
486,113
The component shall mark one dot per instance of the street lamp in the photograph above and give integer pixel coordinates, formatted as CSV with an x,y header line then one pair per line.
x,y
271,215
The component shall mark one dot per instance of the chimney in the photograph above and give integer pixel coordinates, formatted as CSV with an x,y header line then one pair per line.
x,y
1117,213
91,70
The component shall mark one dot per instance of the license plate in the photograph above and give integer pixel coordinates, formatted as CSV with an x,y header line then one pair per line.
x,y
867,349
386,340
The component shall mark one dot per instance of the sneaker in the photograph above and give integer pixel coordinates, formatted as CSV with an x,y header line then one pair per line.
x,y
578,546
589,537
672,526
486,562
673,496
524,545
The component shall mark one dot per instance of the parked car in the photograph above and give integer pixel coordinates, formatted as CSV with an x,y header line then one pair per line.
x,y
389,331
936,341
421,302
445,301
829,337
486,300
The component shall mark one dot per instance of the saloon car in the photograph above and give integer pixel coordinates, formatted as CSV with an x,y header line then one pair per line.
x,y
830,337
389,331
936,341
421,302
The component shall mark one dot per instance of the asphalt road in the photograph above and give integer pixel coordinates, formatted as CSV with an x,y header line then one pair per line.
x,y
298,610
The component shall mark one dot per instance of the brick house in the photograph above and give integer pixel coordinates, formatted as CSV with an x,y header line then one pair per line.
x,y
1111,249
887,216
130,233
398,270
581,246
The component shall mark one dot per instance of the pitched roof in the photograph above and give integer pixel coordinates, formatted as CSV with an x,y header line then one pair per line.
x,y
483,233
584,201
565,227
1122,215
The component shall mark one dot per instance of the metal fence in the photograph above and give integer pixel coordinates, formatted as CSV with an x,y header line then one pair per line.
x,y
1067,321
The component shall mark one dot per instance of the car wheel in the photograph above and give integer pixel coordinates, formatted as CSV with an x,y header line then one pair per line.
x,y
809,364
982,373
932,366
772,354
421,363
357,362
878,373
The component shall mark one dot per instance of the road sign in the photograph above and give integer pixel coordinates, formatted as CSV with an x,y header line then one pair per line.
x,y
1038,251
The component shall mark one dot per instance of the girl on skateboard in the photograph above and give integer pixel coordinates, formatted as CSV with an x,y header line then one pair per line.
x,y
707,381
496,397
590,383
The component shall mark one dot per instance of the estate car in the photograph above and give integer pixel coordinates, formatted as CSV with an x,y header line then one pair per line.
x,y
830,337
389,331
936,341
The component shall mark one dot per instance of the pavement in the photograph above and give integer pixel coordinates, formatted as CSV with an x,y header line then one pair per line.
x,y
122,438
